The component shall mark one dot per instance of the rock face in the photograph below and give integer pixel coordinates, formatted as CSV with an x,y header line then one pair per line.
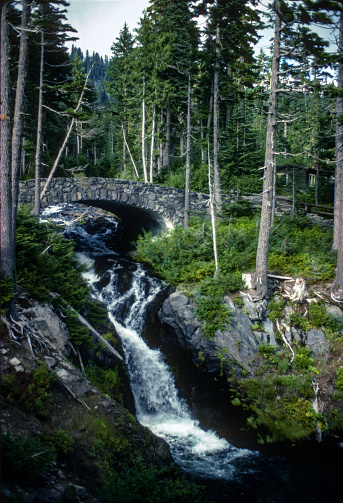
x,y
47,323
234,348
231,349
315,341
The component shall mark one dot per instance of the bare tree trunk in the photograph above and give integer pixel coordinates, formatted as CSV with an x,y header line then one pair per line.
x,y
209,121
18,119
182,142
212,213
152,146
124,152
188,154
7,241
216,168
293,194
316,183
36,208
260,276
64,144
203,150
339,142
145,173
129,151
168,137
337,286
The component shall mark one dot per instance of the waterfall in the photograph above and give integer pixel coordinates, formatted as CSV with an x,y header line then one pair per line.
x,y
157,401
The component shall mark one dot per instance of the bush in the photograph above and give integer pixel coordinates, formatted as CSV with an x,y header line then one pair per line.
x,y
106,380
213,312
147,484
31,390
339,380
317,314
47,262
60,440
24,460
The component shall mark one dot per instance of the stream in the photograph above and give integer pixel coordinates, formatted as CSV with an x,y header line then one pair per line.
x,y
200,448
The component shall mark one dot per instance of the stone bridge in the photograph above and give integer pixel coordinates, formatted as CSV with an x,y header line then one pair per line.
x,y
141,205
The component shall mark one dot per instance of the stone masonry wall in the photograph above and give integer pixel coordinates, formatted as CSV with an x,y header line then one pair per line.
x,y
166,201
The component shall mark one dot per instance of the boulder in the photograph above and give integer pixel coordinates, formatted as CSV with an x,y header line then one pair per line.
x,y
47,323
231,348
256,311
315,341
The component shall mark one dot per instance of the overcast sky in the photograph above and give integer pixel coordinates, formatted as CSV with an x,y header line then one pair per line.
x,y
98,22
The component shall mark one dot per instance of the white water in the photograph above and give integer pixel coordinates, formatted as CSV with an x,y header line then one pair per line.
x,y
158,404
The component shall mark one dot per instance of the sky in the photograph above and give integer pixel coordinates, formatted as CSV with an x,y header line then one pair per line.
x,y
99,22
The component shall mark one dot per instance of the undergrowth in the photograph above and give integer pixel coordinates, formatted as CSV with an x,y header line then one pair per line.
x,y
185,256
46,262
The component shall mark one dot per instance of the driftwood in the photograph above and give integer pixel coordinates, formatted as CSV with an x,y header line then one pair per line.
x,y
86,324
73,394
89,326
285,340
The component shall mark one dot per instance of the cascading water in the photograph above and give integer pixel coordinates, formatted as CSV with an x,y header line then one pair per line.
x,y
158,404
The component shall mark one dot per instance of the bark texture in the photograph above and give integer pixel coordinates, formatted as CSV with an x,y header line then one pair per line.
x,y
216,167
188,155
19,109
7,250
260,277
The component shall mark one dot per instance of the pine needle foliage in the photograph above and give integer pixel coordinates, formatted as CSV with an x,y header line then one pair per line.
x,y
185,256
46,261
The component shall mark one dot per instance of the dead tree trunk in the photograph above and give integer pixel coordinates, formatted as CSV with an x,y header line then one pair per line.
x,y
260,276
145,173
216,168
339,142
64,144
337,286
39,131
152,146
188,154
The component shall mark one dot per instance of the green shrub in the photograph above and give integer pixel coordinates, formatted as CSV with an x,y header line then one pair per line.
x,y
333,324
299,321
275,308
317,314
213,312
339,380
106,380
31,390
60,440
303,360
146,484
25,459
79,334
6,289
47,262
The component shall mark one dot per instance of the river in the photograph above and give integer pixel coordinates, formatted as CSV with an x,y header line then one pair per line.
x,y
200,443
